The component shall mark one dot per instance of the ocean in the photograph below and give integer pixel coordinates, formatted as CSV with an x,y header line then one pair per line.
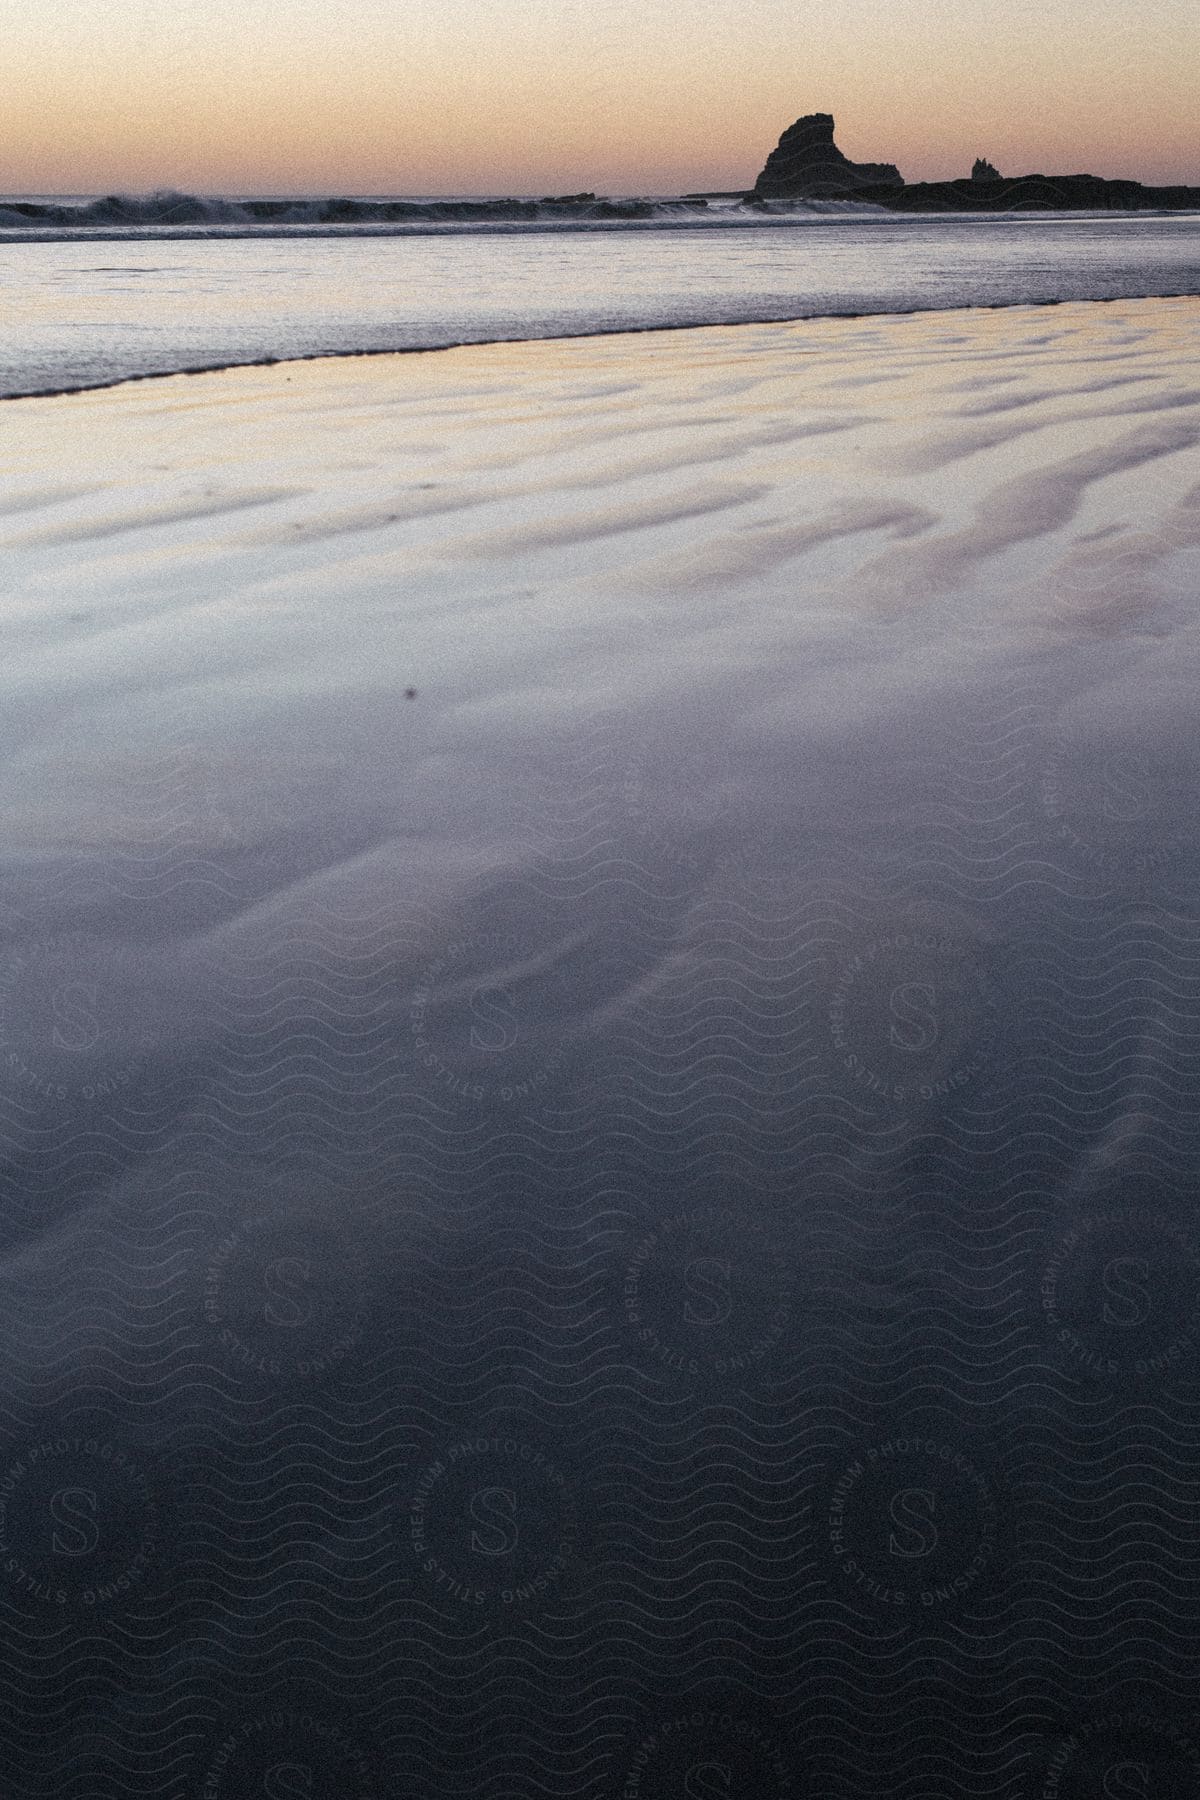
x,y
83,306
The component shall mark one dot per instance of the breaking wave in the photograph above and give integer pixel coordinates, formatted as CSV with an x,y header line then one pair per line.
x,y
169,211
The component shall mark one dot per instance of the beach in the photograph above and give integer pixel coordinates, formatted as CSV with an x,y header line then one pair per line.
x,y
548,650
604,932
550,539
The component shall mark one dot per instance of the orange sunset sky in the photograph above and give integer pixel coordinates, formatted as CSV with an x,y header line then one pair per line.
x,y
538,96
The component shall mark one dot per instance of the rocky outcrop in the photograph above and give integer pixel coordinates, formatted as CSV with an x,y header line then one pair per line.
x,y
1032,193
807,162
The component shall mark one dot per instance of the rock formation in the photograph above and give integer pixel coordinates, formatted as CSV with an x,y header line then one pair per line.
x,y
1031,193
807,162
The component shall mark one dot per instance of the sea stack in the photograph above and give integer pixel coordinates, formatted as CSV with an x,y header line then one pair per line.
x,y
807,162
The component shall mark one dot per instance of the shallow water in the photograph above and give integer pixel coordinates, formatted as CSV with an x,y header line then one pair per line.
x,y
624,1225
78,314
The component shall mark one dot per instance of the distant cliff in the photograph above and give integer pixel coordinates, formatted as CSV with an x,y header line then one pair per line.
x,y
1032,193
807,164
806,161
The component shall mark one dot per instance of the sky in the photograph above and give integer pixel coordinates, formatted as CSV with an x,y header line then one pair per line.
x,y
557,96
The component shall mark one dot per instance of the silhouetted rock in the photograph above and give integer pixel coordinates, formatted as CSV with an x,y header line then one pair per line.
x,y
807,162
1032,193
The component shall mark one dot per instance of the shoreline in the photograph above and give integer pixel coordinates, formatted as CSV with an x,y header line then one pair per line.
x,y
865,212
881,464
632,331
656,542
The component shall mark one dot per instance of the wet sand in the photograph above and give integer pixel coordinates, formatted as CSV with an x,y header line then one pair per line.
x,y
611,923
343,528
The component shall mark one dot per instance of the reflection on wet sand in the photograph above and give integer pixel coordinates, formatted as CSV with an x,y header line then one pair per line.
x,y
541,1186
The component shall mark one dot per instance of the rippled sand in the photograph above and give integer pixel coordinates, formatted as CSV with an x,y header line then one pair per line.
x,y
256,564
602,937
